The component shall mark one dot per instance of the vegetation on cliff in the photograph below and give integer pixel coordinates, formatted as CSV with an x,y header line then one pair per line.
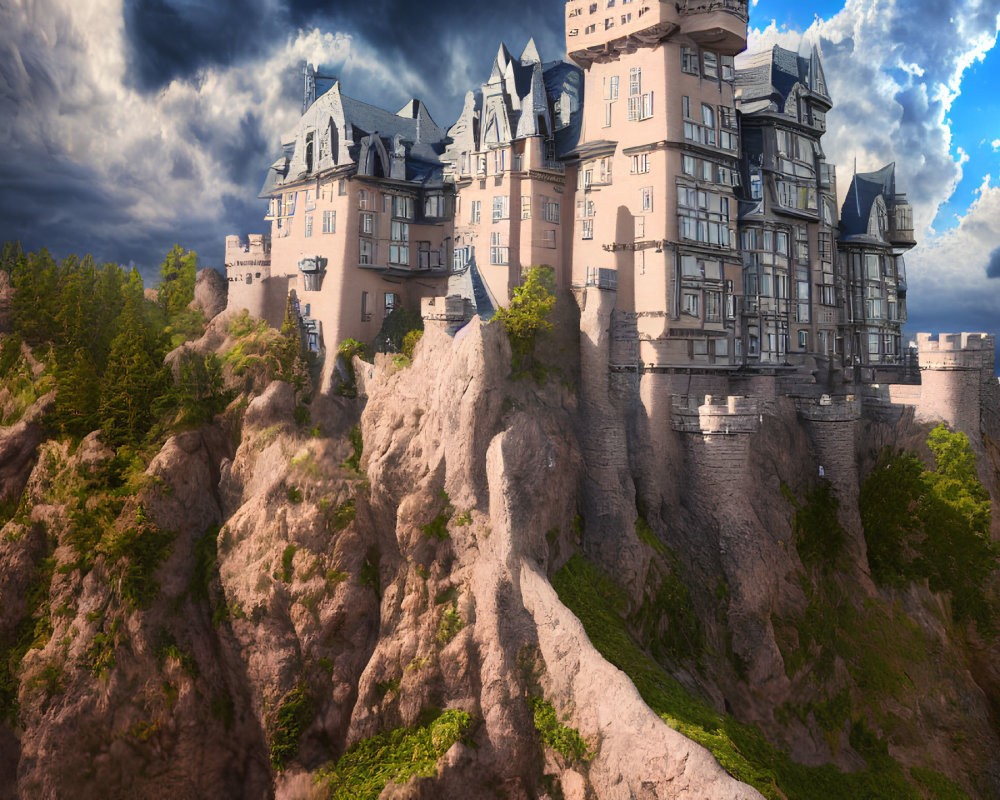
x,y
933,525
526,316
743,751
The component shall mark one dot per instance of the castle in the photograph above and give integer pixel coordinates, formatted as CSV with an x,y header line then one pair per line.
x,y
646,167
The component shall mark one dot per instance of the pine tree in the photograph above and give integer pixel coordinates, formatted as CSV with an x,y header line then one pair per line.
x,y
177,277
133,382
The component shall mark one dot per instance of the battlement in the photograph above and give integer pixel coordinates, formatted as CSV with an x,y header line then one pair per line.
x,y
829,408
717,415
949,351
248,259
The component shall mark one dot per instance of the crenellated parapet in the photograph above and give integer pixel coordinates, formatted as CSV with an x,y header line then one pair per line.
x,y
730,415
949,351
829,408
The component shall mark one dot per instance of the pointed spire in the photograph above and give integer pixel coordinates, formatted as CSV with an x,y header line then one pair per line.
x,y
817,80
530,53
503,57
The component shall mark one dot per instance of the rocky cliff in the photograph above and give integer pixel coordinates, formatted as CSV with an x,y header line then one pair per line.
x,y
467,585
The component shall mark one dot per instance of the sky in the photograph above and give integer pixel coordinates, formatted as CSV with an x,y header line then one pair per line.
x,y
129,125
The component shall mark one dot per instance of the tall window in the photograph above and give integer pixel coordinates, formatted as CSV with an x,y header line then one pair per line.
x,y
501,208
329,222
309,225
366,251
550,211
640,163
525,206
475,211
587,229
646,194
499,252
366,311
399,243
710,65
689,60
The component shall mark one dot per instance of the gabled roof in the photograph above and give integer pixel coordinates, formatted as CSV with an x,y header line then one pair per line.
x,y
865,188
771,75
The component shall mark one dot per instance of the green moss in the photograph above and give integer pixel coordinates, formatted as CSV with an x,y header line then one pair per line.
x,y
353,461
446,596
465,518
369,573
666,615
392,756
940,787
646,536
206,555
33,630
294,714
449,626
167,649
134,556
561,738
287,557
437,528
386,687
345,354
741,749
294,494
342,516
819,536
934,525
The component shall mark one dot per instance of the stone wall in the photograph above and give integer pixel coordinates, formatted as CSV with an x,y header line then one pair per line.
x,y
251,283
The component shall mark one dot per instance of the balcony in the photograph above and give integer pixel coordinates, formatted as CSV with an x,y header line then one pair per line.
x,y
603,34
719,25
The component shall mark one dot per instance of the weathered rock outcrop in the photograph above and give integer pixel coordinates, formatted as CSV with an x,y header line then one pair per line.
x,y
308,572
210,292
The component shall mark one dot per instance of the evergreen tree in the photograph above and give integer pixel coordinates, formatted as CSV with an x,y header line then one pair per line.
x,y
133,385
289,347
177,277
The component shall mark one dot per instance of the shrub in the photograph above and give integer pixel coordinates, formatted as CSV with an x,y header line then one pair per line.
x,y
527,315
410,342
561,738
400,324
368,766
293,716
345,354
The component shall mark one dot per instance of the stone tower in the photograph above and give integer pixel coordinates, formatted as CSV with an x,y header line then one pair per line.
x,y
655,211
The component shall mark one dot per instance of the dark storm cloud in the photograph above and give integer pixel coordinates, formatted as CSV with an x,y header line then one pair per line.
x,y
993,265
170,39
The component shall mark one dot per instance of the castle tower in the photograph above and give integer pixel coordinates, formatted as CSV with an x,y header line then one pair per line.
x,y
788,217
876,227
657,159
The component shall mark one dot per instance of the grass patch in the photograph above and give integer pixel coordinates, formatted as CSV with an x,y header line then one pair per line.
x,y
353,461
449,626
561,738
741,749
287,557
342,516
294,714
437,528
392,756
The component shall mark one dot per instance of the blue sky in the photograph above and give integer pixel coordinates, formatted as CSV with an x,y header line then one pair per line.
x,y
129,125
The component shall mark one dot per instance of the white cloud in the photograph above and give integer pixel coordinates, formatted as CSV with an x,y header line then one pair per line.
x,y
995,144
170,161
947,273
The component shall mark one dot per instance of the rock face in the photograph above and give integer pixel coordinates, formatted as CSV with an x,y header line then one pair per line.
x,y
210,292
298,577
